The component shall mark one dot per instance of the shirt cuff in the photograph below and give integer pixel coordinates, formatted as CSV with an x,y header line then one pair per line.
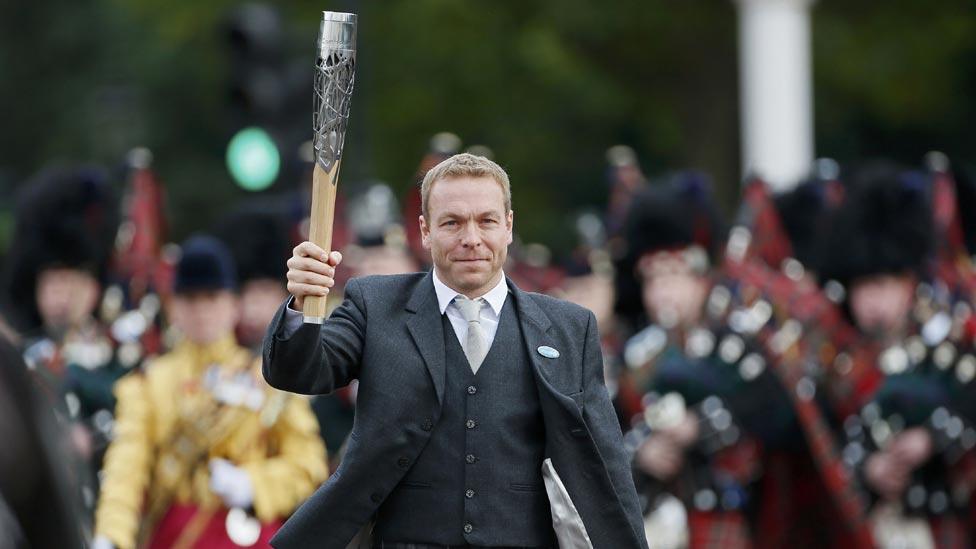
x,y
292,321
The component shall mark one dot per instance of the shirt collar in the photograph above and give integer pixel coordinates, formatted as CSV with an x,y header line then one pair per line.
x,y
495,296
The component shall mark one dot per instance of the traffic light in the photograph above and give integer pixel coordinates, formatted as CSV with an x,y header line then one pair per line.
x,y
257,85
269,97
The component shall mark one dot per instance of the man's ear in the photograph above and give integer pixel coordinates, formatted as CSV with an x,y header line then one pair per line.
x,y
424,232
510,222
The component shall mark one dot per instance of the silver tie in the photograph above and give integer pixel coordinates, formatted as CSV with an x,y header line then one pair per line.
x,y
475,347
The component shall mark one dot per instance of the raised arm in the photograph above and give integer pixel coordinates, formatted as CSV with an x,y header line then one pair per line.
x,y
313,358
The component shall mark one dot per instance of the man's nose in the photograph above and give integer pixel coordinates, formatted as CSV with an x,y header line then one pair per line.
x,y
470,236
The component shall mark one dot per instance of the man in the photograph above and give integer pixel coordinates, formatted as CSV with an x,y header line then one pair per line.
x,y
258,239
891,385
200,442
699,388
469,389
66,225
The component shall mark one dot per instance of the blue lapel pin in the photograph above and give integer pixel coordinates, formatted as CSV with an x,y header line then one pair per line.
x,y
548,352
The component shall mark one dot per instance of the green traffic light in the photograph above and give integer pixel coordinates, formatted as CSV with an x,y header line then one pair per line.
x,y
253,159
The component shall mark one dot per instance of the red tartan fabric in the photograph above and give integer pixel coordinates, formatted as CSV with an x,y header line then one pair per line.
x,y
949,532
953,265
214,536
718,530
845,501
796,511
770,243
836,477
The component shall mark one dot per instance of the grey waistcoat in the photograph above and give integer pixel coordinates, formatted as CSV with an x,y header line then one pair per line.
x,y
478,480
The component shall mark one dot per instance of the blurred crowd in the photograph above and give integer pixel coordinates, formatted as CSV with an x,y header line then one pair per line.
x,y
798,374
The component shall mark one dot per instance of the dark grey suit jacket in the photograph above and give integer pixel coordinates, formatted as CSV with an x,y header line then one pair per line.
x,y
389,335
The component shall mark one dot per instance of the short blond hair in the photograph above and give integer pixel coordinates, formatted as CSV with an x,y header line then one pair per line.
x,y
464,165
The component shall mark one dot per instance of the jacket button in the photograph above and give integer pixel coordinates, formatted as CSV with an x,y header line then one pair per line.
x,y
468,528
472,390
469,493
427,425
470,424
375,497
403,462
470,458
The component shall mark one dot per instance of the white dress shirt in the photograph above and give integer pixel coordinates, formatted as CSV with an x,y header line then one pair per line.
x,y
489,315
445,297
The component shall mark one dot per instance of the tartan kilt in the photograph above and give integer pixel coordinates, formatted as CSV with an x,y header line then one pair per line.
x,y
213,536
795,510
718,530
949,532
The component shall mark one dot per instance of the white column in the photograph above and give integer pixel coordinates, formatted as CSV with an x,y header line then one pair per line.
x,y
776,97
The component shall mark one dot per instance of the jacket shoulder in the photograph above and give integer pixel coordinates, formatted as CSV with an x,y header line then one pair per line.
x,y
386,283
561,311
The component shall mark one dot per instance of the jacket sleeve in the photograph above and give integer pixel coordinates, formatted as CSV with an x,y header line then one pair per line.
x,y
126,466
282,481
605,429
317,359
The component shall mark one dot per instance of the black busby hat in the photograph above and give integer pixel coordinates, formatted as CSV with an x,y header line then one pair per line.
x,y
205,264
805,212
259,242
66,217
884,226
674,214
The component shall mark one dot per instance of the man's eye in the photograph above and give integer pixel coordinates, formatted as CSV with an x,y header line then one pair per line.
x,y
449,223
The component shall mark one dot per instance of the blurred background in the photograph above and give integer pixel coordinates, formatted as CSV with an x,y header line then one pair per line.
x,y
547,85
683,169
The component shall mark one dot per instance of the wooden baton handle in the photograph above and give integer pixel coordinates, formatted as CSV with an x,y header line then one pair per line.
x,y
324,184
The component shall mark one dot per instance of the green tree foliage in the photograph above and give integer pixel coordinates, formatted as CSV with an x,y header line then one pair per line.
x,y
547,84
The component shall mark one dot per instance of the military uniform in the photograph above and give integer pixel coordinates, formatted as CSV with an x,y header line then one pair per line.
x,y
205,454
811,496
66,221
715,368
186,394
881,386
722,376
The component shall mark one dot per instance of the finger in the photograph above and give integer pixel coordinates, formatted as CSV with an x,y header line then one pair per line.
x,y
335,258
310,264
309,249
313,279
299,289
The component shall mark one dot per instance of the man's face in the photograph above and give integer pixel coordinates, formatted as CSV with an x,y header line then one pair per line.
x,y
468,233
205,316
65,297
672,292
260,299
881,304
593,291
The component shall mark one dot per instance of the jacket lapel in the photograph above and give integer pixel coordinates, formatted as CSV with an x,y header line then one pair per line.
x,y
425,326
537,331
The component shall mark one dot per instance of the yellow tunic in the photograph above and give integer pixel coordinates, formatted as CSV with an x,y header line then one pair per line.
x,y
285,461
